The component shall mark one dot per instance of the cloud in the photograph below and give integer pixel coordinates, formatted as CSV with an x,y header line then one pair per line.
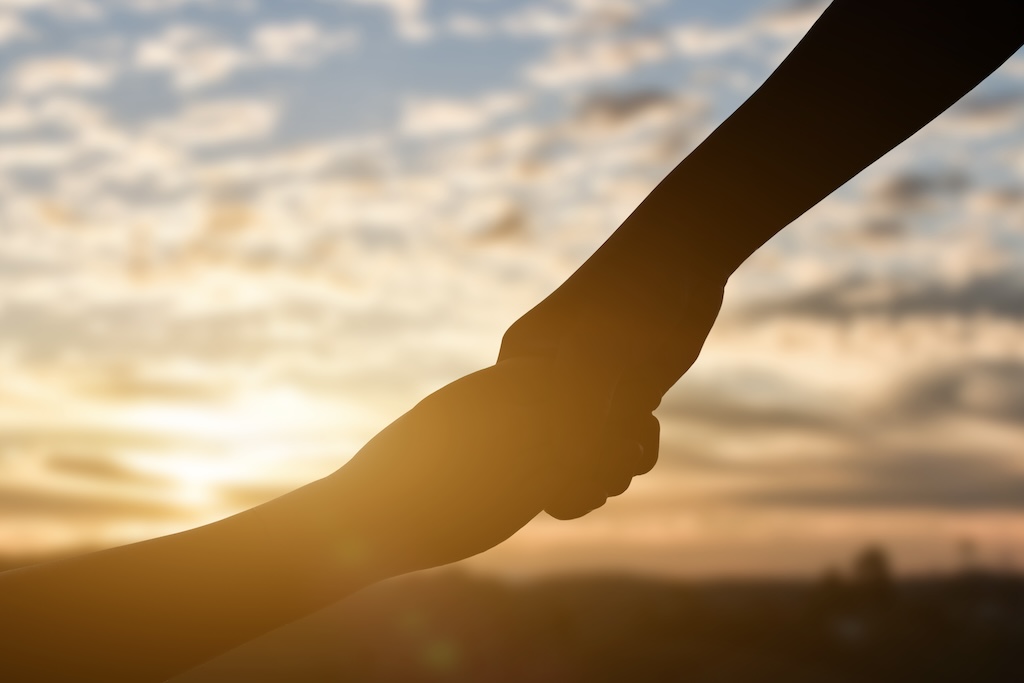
x,y
595,60
538,21
217,123
130,383
999,294
35,156
102,469
63,9
913,190
787,24
298,42
957,481
573,19
408,17
44,74
154,6
982,115
468,26
12,28
706,41
75,439
993,389
791,20
25,502
193,56
197,56
942,437
731,410
429,116
512,225
613,108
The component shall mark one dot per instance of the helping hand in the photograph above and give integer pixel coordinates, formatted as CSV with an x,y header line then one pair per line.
x,y
467,467
616,351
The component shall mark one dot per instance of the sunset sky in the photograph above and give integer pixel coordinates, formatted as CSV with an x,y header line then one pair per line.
x,y
239,237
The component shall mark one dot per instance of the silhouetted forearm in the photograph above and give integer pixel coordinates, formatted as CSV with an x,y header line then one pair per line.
x,y
147,611
867,76
456,475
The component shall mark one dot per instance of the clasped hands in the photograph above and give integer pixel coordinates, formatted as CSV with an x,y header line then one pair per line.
x,y
560,423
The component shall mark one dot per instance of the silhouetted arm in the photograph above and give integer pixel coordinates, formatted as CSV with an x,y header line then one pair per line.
x,y
868,75
459,473
149,610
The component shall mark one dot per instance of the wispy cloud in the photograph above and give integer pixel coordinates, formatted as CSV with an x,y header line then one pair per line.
x,y
298,42
191,55
154,6
64,9
12,28
407,16
424,116
196,56
595,60
43,74
217,122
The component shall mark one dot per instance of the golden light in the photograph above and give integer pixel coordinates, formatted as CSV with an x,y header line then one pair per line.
x,y
275,437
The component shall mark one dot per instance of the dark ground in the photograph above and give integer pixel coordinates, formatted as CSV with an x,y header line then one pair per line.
x,y
858,627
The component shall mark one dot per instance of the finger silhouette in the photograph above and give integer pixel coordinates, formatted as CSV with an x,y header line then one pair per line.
x,y
589,367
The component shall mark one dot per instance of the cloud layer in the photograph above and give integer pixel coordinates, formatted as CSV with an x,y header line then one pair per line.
x,y
239,238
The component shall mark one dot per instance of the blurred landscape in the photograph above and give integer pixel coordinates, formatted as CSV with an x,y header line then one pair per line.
x,y
857,625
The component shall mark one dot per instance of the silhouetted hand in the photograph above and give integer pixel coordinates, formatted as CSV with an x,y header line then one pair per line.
x,y
464,469
615,350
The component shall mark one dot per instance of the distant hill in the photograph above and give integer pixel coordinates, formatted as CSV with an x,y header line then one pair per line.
x,y
453,627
